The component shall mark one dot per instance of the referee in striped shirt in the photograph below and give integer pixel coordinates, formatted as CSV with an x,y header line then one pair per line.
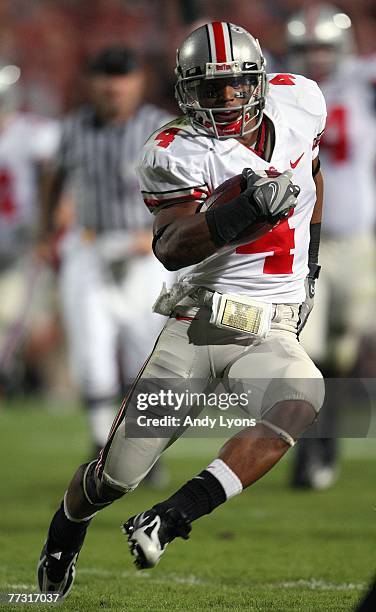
x,y
109,276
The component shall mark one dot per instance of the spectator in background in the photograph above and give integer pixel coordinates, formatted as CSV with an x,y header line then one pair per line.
x,y
321,45
27,142
109,275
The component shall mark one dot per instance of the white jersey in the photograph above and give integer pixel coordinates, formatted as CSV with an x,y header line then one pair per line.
x,y
180,165
25,140
348,149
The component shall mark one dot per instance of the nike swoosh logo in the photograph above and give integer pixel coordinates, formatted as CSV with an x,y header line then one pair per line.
x,y
295,163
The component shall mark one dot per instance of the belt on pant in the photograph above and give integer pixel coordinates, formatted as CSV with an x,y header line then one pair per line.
x,y
204,297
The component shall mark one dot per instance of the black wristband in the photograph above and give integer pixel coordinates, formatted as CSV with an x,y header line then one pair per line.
x,y
314,243
227,221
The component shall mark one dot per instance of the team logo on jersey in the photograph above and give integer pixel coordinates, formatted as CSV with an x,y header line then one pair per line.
x,y
272,172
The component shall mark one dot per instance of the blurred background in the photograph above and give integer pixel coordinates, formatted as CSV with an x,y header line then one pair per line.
x,y
45,46
51,42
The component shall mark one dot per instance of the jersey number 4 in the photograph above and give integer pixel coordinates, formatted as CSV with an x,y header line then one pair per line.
x,y
277,244
165,138
283,79
7,204
335,138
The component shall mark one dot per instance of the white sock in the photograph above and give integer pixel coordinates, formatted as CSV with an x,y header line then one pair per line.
x,y
228,479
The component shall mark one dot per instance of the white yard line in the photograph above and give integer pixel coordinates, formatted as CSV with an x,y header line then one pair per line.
x,y
316,584
190,579
26,587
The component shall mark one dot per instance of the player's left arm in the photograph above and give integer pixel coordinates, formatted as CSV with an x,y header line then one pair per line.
x,y
314,245
315,227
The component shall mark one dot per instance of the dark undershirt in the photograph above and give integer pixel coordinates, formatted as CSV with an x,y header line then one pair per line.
x,y
265,141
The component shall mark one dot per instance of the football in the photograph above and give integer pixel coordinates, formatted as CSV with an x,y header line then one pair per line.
x,y
226,192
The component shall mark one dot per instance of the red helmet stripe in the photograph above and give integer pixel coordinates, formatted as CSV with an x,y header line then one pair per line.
x,y
219,41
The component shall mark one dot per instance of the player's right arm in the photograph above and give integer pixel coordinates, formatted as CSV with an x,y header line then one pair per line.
x,y
174,188
181,237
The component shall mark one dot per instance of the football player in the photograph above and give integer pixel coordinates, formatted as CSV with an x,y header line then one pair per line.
x,y
27,144
236,120
321,47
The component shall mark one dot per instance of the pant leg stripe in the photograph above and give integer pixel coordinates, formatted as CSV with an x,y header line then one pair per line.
x,y
120,415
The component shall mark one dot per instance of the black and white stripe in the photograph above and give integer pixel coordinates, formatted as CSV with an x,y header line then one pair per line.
x,y
100,163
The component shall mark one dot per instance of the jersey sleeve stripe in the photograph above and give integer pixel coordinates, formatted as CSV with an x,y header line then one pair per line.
x,y
173,193
156,204
197,196
316,141
152,204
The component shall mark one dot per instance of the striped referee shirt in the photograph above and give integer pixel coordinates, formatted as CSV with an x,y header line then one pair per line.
x,y
99,160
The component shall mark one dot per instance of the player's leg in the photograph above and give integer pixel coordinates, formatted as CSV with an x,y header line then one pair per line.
x,y
344,306
288,404
123,463
243,460
92,338
19,284
288,390
140,328
306,471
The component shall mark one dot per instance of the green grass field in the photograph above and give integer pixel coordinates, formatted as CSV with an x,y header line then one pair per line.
x,y
268,549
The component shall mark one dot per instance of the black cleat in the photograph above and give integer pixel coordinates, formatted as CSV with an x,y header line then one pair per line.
x,y
56,571
149,533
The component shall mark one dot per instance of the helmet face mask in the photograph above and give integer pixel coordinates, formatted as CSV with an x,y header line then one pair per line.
x,y
223,99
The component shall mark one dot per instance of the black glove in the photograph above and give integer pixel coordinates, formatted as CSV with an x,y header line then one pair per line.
x,y
264,198
271,198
